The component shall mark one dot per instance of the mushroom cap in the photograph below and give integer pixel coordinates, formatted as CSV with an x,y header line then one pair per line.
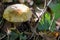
x,y
17,13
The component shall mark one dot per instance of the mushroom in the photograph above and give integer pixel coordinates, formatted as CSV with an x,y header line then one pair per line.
x,y
17,13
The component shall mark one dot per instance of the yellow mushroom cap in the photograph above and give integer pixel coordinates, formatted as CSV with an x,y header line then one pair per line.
x,y
17,13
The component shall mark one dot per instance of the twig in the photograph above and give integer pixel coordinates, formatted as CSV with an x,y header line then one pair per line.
x,y
51,22
49,2
2,37
29,33
45,4
43,10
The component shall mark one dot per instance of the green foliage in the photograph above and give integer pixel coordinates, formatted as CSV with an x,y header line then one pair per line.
x,y
45,22
14,35
22,36
56,9
58,1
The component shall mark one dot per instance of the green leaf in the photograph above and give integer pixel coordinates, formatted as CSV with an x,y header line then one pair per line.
x,y
45,22
13,36
56,10
22,36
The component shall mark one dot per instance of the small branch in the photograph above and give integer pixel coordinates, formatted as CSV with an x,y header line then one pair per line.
x,y
45,4
49,2
29,33
2,37
42,10
39,8
51,22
